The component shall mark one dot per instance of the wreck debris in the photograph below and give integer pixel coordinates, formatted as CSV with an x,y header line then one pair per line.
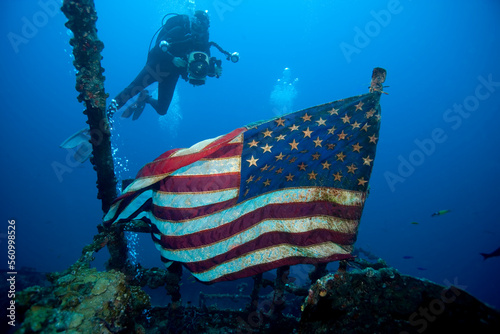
x,y
82,301
384,301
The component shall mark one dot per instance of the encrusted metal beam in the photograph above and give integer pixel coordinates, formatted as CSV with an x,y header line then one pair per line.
x,y
87,49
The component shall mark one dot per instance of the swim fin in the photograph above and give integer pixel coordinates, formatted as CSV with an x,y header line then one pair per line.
x,y
76,139
80,143
137,107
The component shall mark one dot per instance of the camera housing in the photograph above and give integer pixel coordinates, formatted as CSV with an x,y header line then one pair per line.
x,y
200,66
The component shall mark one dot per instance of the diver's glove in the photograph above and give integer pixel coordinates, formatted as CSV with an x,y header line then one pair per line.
x,y
215,67
218,71
112,108
179,62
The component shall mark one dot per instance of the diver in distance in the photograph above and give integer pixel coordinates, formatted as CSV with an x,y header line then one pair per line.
x,y
182,48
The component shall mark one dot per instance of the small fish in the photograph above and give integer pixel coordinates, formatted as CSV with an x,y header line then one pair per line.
x,y
492,254
439,213
407,257
420,268
414,223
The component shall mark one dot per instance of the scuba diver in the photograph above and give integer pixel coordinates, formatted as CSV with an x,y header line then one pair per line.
x,y
182,48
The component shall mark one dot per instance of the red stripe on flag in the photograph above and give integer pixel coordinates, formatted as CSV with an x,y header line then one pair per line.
x,y
272,211
167,164
199,267
175,214
200,183
229,150
290,261
272,239
146,206
254,270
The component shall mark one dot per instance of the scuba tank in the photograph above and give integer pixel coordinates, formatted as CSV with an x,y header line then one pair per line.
x,y
163,44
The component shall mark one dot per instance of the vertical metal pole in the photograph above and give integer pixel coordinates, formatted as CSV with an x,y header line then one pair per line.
x,y
87,49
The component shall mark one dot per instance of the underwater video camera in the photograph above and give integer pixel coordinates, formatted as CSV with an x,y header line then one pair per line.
x,y
200,66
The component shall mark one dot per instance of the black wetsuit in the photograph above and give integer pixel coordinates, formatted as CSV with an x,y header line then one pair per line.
x,y
182,39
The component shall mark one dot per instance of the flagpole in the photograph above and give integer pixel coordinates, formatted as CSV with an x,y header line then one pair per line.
x,y
378,78
87,49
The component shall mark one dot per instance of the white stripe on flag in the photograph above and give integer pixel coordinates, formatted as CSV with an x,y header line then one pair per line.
x,y
195,148
289,195
193,200
271,254
144,182
272,225
237,140
210,167
131,207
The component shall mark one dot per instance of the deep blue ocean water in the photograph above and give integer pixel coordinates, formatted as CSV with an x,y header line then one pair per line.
x,y
438,142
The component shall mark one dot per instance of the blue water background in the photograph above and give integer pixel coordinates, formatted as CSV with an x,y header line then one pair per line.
x,y
436,53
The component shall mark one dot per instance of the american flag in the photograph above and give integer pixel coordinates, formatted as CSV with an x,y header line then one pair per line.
x,y
285,191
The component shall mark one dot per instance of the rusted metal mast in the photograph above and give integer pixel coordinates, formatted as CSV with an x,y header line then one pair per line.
x,y
87,49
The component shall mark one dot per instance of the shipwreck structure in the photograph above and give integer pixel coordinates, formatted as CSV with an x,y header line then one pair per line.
x,y
361,297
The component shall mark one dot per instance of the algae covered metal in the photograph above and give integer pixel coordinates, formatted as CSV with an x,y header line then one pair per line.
x,y
87,49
